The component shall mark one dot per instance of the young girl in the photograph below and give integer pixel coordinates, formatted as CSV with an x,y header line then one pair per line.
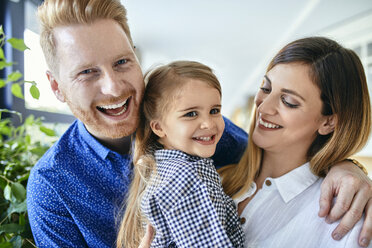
x,y
176,187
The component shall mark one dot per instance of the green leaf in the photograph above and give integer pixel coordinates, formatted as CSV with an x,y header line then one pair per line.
x,y
35,93
47,131
2,54
8,193
5,130
29,120
38,151
3,183
14,76
11,228
15,207
4,64
17,90
28,139
2,83
19,191
24,177
18,44
6,245
22,220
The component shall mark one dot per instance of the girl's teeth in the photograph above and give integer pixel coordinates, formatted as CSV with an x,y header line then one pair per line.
x,y
204,138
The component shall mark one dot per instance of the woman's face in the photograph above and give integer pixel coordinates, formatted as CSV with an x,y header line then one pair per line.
x,y
288,110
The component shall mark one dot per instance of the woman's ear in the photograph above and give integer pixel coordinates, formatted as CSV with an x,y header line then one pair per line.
x,y
328,125
156,128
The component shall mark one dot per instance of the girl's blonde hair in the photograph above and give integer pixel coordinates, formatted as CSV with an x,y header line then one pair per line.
x,y
340,76
55,13
162,88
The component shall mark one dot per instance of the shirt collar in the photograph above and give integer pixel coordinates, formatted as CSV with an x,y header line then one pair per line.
x,y
164,154
101,150
295,182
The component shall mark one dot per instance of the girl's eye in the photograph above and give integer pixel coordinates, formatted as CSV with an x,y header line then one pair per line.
x,y
191,114
214,111
287,103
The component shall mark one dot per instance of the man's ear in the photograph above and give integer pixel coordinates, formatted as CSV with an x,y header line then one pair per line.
x,y
328,125
55,86
157,129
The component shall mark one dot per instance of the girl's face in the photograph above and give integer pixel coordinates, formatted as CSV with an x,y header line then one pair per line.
x,y
194,123
288,110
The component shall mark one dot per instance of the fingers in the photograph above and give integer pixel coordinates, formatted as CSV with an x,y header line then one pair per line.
x,y
351,217
149,235
366,233
326,197
348,188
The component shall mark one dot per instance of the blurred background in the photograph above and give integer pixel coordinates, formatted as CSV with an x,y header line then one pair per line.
x,y
236,38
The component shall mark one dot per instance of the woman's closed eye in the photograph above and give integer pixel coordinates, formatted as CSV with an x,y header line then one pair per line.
x,y
289,102
265,90
266,85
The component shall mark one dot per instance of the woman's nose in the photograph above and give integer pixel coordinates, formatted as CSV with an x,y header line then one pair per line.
x,y
266,105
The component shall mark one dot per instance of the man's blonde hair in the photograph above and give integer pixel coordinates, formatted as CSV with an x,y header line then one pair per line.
x,y
56,13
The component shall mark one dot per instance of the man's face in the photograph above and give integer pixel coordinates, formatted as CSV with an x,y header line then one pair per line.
x,y
98,77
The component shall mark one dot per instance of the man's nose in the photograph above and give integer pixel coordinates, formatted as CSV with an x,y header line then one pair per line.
x,y
111,84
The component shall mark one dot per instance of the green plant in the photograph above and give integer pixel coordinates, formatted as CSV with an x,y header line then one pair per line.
x,y
19,151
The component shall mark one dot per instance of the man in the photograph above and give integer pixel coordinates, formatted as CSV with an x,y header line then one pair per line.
x,y
76,189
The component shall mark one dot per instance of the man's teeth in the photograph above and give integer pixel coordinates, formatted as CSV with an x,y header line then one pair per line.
x,y
114,106
204,138
124,109
268,125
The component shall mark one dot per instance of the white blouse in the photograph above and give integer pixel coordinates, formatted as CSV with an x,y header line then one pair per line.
x,y
284,213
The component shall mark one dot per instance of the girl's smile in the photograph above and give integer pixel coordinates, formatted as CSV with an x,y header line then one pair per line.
x,y
194,123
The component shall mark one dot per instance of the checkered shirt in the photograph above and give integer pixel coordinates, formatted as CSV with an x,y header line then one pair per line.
x,y
186,205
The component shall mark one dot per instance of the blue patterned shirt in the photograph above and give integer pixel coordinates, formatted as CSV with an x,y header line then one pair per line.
x,y
76,189
186,205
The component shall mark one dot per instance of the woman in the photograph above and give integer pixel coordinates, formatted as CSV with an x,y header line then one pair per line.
x,y
312,111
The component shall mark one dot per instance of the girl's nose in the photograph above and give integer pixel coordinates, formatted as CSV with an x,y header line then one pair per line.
x,y
207,123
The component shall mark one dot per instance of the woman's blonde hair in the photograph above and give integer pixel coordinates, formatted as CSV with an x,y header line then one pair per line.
x,y
340,76
162,88
56,13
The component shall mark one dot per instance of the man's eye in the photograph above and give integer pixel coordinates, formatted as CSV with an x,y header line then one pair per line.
x,y
87,71
191,114
121,62
215,111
